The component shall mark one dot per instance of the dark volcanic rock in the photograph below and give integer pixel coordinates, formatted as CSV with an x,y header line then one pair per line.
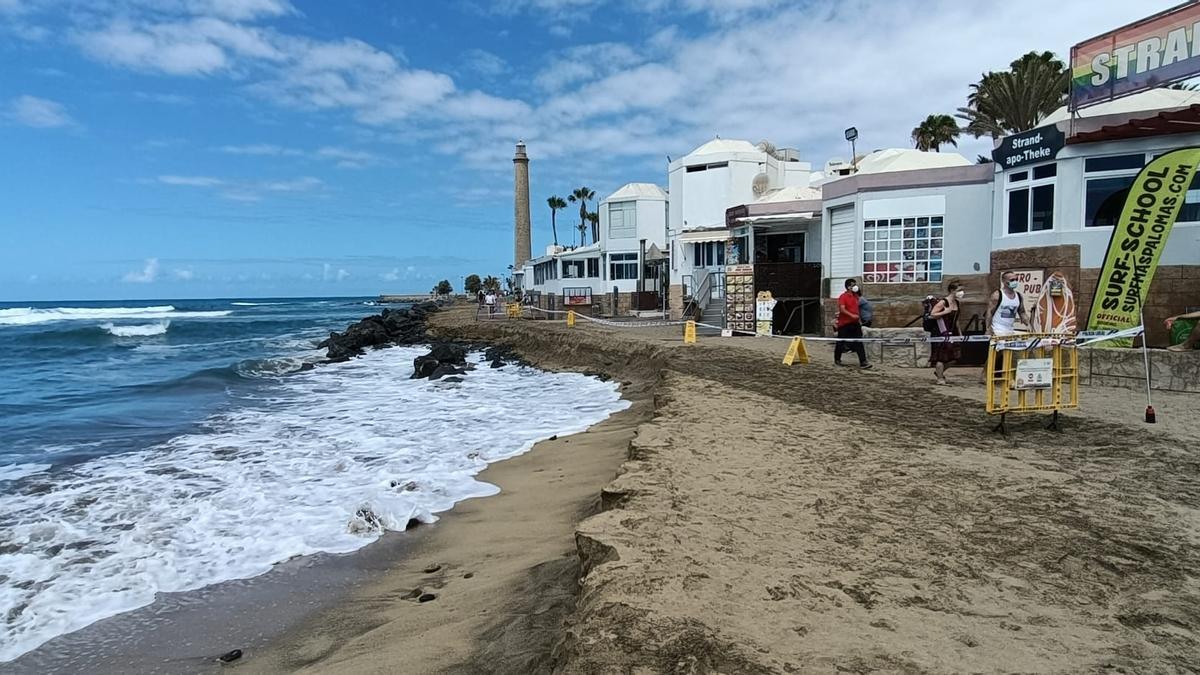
x,y
391,327
446,352
424,366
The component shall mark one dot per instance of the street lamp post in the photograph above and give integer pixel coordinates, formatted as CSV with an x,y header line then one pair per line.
x,y
852,136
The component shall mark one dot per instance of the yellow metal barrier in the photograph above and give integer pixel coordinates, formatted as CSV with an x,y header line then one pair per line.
x,y
571,319
512,310
689,333
1032,372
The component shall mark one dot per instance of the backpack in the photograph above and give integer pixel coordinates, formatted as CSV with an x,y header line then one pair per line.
x,y
928,322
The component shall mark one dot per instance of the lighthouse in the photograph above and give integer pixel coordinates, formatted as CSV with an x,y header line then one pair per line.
x,y
522,249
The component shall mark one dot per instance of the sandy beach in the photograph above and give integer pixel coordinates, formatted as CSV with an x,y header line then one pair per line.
x,y
805,519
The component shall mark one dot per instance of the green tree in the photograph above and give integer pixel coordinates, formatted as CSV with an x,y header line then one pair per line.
x,y
1015,100
472,284
935,131
444,287
555,204
491,283
593,218
582,195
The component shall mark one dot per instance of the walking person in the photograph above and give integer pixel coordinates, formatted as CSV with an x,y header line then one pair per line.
x,y
849,326
945,318
866,313
1005,306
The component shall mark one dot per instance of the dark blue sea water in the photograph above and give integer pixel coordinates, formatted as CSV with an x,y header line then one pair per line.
x,y
162,446
87,379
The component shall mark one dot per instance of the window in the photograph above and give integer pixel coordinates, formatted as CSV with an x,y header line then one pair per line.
x,y
1031,202
622,266
593,268
708,254
545,271
573,269
1106,184
622,219
897,250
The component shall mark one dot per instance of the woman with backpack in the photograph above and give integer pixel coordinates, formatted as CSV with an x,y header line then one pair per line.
x,y
943,319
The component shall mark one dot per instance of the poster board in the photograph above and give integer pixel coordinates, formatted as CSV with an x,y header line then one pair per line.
x,y
1030,288
740,303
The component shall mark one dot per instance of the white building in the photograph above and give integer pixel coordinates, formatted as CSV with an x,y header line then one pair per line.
x,y
633,226
702,185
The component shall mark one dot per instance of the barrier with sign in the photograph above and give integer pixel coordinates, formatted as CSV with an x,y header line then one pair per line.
x,y
689,333
1031,373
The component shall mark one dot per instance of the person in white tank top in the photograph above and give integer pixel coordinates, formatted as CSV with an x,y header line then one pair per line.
x,y
1005,307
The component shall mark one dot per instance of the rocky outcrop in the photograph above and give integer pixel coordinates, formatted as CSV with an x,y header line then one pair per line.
x,y
443,359
391,327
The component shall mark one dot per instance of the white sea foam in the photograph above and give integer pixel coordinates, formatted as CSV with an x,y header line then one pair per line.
x,y
24,316
330,459
256,304
15,471
138,330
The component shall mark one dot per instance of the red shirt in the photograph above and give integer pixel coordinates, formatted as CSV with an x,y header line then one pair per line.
x,y
847,302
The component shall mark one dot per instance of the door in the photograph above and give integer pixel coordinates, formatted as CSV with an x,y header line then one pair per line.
x,y
841,248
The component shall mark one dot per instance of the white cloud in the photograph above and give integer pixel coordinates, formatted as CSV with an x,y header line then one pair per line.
x,y
345,158
304,184
191,181
485,63
146,275
165,99
199,46
342,275
39,113
393,275
184,274
261,149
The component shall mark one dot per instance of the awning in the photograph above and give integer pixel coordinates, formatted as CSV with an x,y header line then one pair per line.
x,y
655,254
700,236
1181,121
775,217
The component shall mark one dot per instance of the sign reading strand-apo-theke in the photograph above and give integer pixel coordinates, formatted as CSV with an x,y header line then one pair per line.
x,y
1029,147
1157,50
1150,210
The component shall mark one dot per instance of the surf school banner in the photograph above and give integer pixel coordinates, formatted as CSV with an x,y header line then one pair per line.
x,y
1153,52
1150,210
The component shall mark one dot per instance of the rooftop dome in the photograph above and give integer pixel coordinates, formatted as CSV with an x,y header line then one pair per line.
x,y
637,191
1153,99
907,159
720,145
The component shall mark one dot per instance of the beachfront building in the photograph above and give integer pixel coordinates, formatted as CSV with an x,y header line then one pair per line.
x,y
702,185
1056,213
619,274
904,222
633,236
1046,204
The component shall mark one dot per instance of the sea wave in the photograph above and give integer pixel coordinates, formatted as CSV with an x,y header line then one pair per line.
x,y
256,304
137,330
25,316
15,471
329,461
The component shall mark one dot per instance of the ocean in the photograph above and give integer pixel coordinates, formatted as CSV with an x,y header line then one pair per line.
x,y
153,447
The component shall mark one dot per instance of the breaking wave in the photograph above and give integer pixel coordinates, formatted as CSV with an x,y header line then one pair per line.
x,y
137,330
25,316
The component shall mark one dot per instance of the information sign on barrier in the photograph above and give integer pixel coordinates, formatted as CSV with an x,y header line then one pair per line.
x,y
689,333
512,310
1032,373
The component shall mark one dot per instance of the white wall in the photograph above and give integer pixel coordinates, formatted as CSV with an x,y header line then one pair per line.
x,y
651,226
966,210
1183,246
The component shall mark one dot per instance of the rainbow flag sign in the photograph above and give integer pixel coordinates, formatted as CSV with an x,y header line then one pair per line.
x,y
1155,51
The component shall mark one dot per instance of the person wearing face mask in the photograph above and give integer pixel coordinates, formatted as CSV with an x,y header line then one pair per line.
x,y
849,326
945,315
866,313
1005,307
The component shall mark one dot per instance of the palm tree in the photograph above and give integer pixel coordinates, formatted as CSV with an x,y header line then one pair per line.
x,y
555,204
582,195
491,283
593,217
1015,100
934,132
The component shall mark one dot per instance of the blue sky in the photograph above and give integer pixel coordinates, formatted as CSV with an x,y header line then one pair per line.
x,y
200,148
